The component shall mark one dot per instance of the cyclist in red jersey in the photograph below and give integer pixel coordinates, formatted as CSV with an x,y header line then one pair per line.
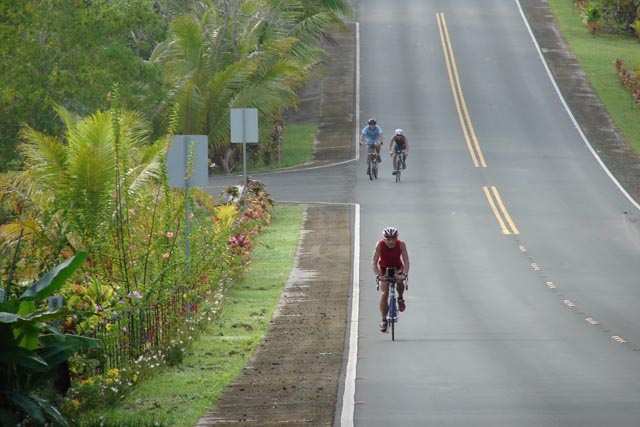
x,y
390,253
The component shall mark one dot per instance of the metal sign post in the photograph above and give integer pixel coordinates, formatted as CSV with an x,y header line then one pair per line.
x,y
187,166
244,129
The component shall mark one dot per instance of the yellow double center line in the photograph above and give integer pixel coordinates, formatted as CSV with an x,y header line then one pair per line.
x,y
493,197
501,213
461,106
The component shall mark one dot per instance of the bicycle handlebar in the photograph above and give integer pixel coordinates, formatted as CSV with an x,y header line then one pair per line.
x,y
392,279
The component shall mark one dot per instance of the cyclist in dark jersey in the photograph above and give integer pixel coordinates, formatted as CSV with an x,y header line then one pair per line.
x,y
399,143
390,253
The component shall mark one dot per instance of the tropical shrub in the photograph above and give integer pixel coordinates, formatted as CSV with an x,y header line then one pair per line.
x,y
629,80
635,25
591,16
33,352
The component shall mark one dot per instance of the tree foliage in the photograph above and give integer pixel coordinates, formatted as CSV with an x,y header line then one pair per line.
x,y
69,53
236,54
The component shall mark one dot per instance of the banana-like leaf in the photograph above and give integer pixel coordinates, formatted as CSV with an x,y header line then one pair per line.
x,y
9,317
57,352
54,279
51,410
27,404
23,358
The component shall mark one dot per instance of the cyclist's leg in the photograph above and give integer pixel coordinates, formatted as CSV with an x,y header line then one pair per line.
x,y
400,288
384,299
394,155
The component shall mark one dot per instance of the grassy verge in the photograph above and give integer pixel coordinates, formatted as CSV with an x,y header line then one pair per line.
x,y
296,150
180,396
597,55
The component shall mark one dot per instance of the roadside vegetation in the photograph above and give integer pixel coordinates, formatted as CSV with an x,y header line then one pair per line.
x,y
85,134
601,32
178,396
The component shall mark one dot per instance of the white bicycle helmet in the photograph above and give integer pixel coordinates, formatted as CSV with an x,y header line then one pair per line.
x,y
399,132
390,232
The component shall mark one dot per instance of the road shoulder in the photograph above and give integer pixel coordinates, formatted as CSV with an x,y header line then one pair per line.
x,y
594,120
293,377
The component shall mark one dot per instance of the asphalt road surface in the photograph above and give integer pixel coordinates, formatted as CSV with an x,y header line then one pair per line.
x,y
523,307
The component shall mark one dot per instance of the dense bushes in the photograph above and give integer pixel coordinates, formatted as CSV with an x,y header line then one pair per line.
x,y
101,188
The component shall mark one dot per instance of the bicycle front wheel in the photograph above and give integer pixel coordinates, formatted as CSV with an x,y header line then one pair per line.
x,y
392,317
393,330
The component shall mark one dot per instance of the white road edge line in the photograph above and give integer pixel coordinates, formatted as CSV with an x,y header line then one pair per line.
x,y
571,116
348,398
357,90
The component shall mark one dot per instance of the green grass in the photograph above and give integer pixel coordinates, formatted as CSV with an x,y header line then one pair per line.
x,y
597,55
180,396
296,150
298,145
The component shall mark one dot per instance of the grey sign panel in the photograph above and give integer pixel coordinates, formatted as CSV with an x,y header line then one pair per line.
x,y
183,148
244,125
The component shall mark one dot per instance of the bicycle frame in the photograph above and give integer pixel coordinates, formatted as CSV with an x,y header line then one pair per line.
x,y
392,308
399,161
372,162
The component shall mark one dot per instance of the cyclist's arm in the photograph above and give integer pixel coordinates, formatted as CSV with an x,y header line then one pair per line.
x,y
405,258
374,261
391,145
406,144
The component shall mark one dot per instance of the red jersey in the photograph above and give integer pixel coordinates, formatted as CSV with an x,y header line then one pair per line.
x,y
390,257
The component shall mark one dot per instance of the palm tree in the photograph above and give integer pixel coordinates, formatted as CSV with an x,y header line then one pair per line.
x,y
69,189
235,54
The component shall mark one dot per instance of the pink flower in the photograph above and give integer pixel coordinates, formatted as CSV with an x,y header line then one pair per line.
x,y
169,234
165,255
160,233
212,166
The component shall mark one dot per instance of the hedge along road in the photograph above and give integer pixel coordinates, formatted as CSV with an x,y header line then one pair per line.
x,y
522,309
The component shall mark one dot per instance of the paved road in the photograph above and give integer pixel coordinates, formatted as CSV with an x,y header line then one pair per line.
x,y
507,323
523,304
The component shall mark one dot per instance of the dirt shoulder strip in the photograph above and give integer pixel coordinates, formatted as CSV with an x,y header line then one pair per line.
x,y
293,376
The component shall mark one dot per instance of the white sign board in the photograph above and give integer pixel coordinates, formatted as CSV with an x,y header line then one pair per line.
x,y
244,125
183,148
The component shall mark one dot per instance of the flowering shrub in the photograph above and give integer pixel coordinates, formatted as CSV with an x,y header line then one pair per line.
x,y
147,283
147,328
629,80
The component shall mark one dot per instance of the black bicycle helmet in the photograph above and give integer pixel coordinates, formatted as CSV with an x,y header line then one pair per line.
x,y
372,121
390,232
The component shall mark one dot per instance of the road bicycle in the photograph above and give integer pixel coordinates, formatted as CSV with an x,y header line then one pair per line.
x,y
392,310
372,163
399,165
